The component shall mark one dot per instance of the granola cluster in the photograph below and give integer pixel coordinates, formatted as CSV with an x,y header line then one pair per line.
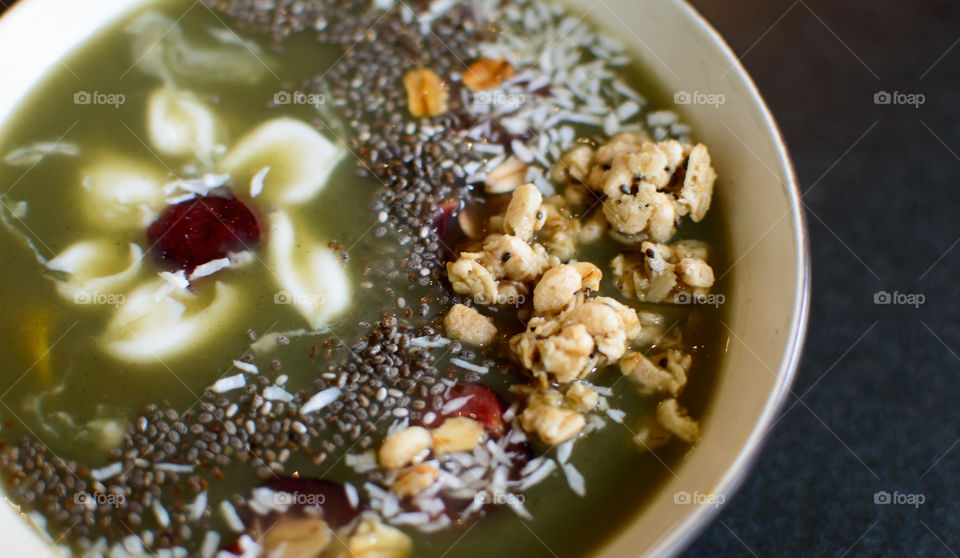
x,y
509,261
568,346
466,324
676,272
556,417
647,187
643,189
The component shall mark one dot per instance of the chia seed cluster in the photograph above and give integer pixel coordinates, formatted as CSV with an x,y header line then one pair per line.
x,y
419,161
174,456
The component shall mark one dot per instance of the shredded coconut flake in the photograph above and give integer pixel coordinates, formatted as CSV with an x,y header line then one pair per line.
x,y
209,268
469,366
277,393
173,468
176,280
133,544
160,512
320,400
518,508
211,542
256,183
538,475
362,462
180,199
229,383
230,515
107,472
602,390
32,154
246,367
574,479
455,404
199,186
410,518
427,343
616,415
198,506
352,495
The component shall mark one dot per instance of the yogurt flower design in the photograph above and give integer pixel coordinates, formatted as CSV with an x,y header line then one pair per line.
x,y
200,228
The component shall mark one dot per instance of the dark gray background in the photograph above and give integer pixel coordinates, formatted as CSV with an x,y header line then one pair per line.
x,y
875,404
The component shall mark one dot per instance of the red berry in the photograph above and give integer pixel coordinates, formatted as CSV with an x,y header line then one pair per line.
x,y
194,232
233,547
483,406
447,227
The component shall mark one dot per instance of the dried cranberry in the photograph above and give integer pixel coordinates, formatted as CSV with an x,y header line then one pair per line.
x,y
483,406
194,232
447,228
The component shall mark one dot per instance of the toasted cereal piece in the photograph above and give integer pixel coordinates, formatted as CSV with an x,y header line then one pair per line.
x,y
664,272
695,272
469,326
426,94
574,166
568,346
410,445
605,326
415,480
514,258
296,537
652,328
373,539
578,195
552,423
556,289
507,177
662,373
590,275
548,348
674,418
560,230
567,355
647,185
524,215
487,73
697,190
618,145
581,398
524,347
693,249
628,316
645,212
592,228
652,163
650,435
469,277
457,434
513,293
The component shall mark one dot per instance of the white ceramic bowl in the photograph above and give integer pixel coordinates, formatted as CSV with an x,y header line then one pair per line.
x,y
757,190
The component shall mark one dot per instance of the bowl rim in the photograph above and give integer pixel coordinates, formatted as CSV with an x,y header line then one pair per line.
x,y
683,534
692,526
